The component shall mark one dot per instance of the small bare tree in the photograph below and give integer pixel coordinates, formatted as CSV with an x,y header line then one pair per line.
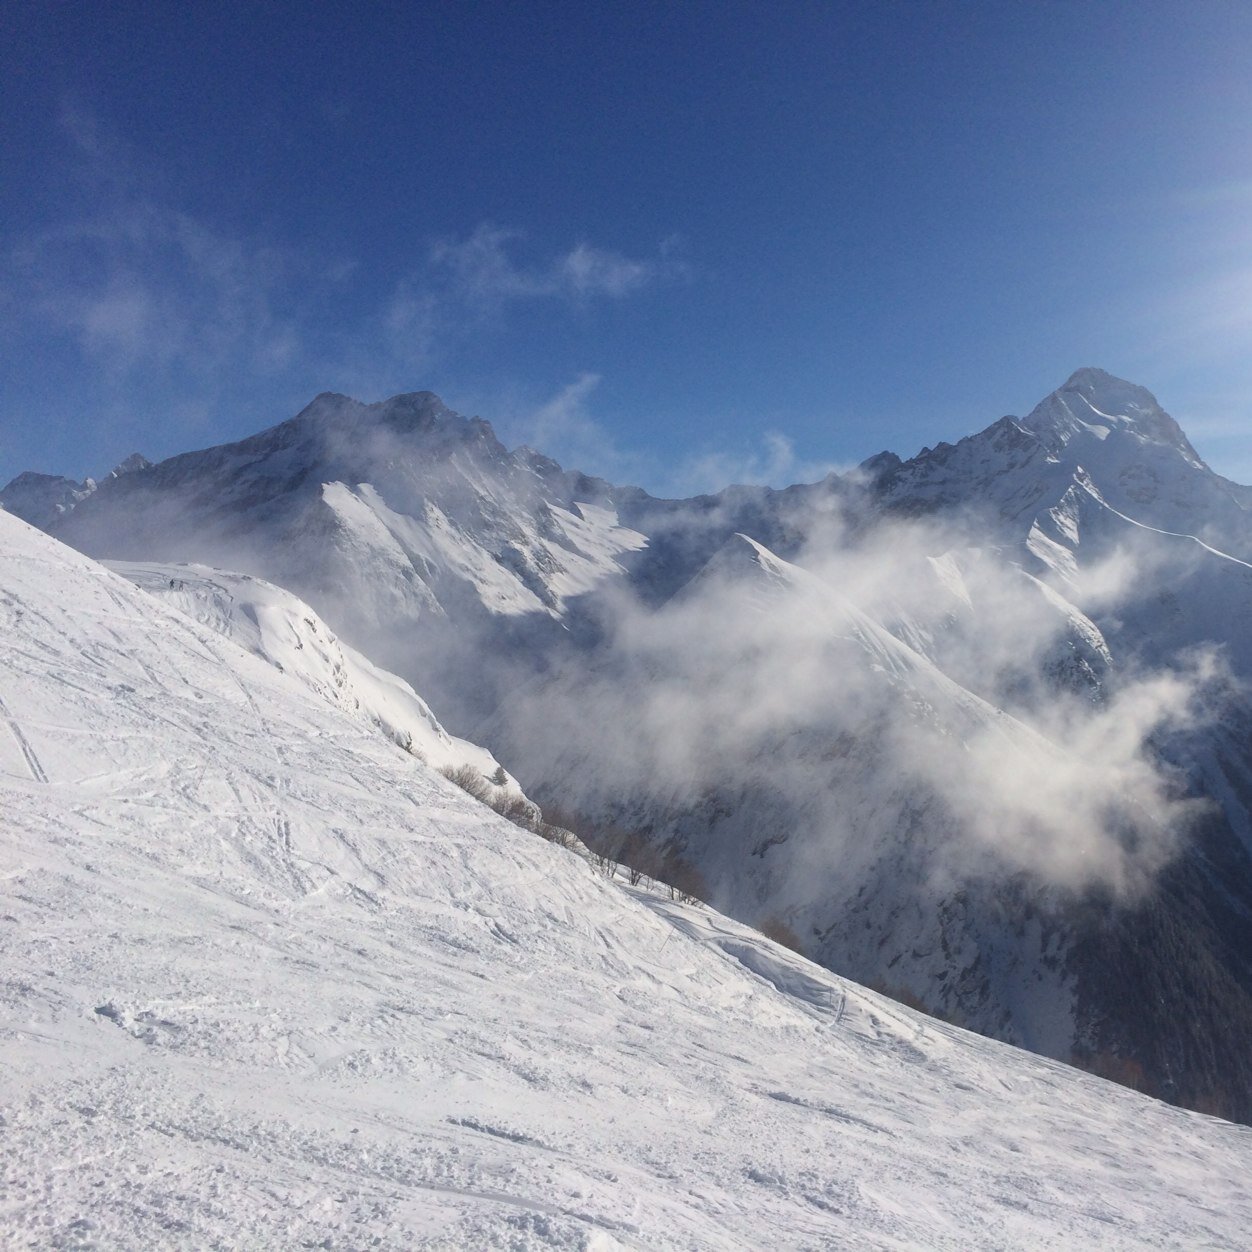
x,y
470,780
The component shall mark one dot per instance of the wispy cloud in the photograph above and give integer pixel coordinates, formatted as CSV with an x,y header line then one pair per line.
x,y
140,286
482,268
764,701
153,297
566,427
773,463
563,420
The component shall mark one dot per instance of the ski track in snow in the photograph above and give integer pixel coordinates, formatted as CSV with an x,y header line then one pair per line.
x,y
268,982
28,753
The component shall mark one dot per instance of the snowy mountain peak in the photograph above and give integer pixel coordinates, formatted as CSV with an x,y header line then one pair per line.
x,y
1093,404
31,479
742,556
878,466
745,572
136,461
346,428
41,499
416,412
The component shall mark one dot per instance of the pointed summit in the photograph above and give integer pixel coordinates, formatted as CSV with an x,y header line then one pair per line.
x,y
741,556
41,499
744,564
1094,404
136,461
1103,388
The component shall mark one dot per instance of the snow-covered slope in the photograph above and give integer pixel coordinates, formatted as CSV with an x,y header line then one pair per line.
x,y
279,628
271,982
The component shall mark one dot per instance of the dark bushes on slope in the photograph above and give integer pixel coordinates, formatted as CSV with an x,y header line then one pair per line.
x,y
520,811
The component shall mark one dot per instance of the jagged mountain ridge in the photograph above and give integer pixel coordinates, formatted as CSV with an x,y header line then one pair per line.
x,y
41,499
394,512
1145,466
494,580
408,475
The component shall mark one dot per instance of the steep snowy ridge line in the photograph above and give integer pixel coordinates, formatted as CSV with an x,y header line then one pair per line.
x,y
1173,534
282,630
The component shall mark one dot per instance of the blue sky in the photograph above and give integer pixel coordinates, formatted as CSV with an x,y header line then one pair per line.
x,y
676,244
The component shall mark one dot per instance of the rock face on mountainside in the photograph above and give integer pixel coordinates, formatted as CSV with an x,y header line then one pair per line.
x,y
971,726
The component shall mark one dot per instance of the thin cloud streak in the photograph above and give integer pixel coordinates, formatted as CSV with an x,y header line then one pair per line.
x,y
565,427
483,272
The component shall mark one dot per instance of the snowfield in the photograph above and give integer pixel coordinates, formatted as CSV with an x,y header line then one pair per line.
x,y
268,981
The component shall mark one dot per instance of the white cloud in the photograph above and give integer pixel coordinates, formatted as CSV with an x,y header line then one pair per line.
x,y
757,703
482,270
773,463
563,419
590,271
565,427
139,286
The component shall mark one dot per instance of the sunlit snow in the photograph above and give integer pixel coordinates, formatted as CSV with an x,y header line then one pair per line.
x,y
269,981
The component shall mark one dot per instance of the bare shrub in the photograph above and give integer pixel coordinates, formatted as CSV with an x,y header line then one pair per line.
x,y
684,881
909,999
645,861
511,805
517,809
470,780
521,812
1120,1069
559,835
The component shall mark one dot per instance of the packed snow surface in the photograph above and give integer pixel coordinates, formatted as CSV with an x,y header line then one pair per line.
x,y
269,981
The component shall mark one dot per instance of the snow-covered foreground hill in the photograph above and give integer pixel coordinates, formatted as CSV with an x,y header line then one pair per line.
x,y
269,981
280,628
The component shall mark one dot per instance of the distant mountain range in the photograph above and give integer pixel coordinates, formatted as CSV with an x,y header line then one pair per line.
x,y
41,499
973,727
